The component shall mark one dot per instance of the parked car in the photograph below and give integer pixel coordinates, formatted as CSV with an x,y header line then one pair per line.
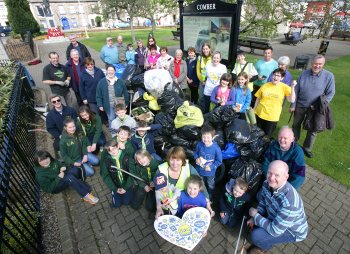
x,y
296,24
120,24
5,30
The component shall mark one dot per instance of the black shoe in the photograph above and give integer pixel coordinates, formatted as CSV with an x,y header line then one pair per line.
x,y
307,153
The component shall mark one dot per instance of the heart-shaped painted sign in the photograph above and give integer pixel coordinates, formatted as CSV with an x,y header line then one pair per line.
x,y
186,232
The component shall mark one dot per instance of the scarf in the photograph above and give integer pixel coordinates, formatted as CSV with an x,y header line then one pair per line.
x,y
177,68
119,173
92,73
75,73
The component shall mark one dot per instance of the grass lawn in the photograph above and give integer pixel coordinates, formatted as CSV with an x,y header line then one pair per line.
x,y
163,37
331,149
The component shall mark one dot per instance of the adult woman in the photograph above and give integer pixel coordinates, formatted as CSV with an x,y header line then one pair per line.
x,y
177,169
107,90
283,64
152,58
75,67
152,41
53,177
202,61
91,125
243,66
140,56
213,73
89,79
178,70
268,105
164,60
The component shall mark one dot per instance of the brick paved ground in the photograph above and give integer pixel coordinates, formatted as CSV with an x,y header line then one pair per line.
x,y
101,229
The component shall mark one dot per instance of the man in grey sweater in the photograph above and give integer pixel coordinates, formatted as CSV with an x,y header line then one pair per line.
x,y
121,49
312,84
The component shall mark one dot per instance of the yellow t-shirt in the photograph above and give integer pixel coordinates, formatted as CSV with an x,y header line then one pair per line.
x,y
271,99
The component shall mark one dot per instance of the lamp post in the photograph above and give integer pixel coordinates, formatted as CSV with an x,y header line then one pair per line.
x,y
181,8
236,30
81,20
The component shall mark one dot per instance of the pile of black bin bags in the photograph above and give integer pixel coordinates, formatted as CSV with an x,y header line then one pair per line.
x,y
245,144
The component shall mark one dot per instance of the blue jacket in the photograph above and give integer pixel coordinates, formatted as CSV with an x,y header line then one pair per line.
x,y
191,72
294,158
136,140
280,211
54,120
88,84
109,55
230,100
102,97
213,156
130,57
243,99
69,67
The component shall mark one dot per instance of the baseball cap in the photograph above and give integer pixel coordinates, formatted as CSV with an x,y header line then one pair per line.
x,y
160,181
109,38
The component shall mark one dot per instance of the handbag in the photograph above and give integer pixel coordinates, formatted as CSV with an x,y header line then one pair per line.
x,y
119,100
250,116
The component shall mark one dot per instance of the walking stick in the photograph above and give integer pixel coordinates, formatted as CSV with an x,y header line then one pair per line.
x,y
239,235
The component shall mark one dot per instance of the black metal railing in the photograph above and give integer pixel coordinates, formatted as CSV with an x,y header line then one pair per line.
x,y
19,193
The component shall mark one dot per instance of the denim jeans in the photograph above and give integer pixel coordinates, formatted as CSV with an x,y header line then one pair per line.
x,y
201,94
121,199
71,179
261,238
110,115
231,220
100,142
209,182
92,160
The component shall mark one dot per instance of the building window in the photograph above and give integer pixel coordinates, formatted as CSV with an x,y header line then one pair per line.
x,y
72,10
61,9
52,23
81,9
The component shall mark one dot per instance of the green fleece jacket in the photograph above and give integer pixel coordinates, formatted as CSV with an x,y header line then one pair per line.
x,y
73,147
129,148
48,177
91,128
110,175
142,172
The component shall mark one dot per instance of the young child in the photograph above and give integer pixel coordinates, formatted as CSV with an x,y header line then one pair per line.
x,y
208,158
164,60
192,78
166,195
53,177
122,119
152,58
130,54
144,138
145,168
120,183
223,94
123,140
193,196
242,94
233,202
75,148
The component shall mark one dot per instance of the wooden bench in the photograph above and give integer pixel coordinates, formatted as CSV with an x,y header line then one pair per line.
x,y
293,38
254,44
176,35
340,34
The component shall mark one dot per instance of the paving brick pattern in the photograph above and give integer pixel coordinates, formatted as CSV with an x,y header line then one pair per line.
x,y
102,229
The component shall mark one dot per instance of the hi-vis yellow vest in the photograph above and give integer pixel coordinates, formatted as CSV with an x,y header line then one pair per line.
x,y
203,63
184,174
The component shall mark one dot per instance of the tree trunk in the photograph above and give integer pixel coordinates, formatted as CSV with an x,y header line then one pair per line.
x,y
154,27
132,31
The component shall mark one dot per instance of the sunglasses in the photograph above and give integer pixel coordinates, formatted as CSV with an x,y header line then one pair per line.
x,y
54,102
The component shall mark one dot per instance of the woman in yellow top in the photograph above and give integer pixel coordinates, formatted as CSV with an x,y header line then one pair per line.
x,y
203,60
268,105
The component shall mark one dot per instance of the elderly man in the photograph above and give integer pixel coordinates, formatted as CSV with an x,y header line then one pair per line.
x,y
311,85
285,149
121,49
74,44
280,217
109,53
75,67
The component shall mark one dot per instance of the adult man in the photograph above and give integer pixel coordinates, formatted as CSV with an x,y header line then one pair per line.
x,y
74,44
75,67
55,118
285,149
121,50
109,52
311,85
280,216
56,76
264,68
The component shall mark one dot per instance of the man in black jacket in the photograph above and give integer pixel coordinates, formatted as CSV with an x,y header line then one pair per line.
x,y
74,44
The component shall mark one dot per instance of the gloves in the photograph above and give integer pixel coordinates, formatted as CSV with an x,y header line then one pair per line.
x,y
66,83
60,83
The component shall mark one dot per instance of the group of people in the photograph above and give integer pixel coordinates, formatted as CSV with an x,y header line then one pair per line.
x,y
129,164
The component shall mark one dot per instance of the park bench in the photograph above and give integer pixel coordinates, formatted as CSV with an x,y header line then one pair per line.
x,y
254,43
340,34
176,35
293,38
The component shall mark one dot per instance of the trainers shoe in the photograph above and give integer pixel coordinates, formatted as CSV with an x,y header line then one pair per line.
x,y
90,199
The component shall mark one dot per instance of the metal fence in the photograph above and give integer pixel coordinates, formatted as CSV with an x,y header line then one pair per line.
x,y
19,50
19,192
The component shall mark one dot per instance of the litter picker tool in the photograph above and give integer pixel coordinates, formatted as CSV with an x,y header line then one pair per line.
x,y
130,174
239,235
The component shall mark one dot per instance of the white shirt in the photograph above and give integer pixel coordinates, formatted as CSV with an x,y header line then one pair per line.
x,y
213,74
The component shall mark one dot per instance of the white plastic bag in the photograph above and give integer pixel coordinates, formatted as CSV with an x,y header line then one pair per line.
x,y
155,81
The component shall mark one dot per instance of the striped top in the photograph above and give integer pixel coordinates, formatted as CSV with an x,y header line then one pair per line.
x,y
283,210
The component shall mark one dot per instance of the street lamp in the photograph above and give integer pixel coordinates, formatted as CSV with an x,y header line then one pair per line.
x,y
81,20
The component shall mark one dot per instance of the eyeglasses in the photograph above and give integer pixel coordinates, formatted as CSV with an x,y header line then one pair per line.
x,y
54,102
91,64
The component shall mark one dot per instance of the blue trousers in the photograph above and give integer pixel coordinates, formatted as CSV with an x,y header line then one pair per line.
x,y
72,179
231,219
265,241
121,199
209,182
92,160
100,142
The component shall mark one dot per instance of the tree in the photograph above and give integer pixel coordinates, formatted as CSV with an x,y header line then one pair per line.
x,y
98,21
20,17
